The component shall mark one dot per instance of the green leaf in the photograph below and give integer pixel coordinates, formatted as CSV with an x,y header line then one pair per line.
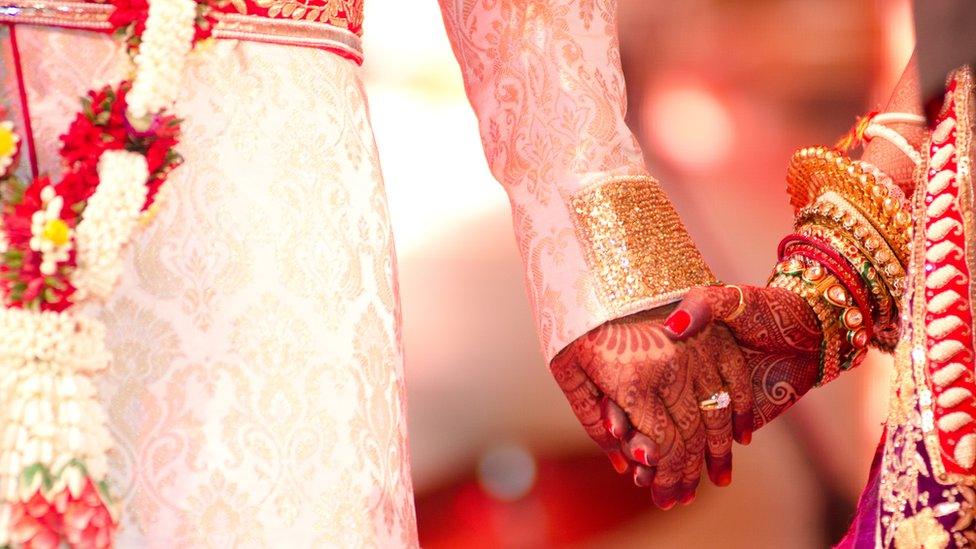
x,y
86,108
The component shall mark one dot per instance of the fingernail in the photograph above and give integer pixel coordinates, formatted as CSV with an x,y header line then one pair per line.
x,y
665,498
724,478
641,456
619,461
608,425
742,428
688,498
678,322
746,437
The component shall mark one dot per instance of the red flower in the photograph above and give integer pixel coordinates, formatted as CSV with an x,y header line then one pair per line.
x,y
88,524
35,523
128,12
84,522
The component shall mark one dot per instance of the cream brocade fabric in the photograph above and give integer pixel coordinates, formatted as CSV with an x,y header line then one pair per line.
x,y
257,395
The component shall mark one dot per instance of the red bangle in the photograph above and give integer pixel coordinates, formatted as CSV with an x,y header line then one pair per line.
x,y
821,253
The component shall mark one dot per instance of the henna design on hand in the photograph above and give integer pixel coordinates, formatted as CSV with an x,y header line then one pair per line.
x,y
778,332
652,390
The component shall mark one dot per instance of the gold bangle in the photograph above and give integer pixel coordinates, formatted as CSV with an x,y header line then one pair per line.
x,y
831,303
815,170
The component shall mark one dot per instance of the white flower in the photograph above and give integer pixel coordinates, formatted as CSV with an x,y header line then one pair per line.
x,y
165,44
49,413
110,218
50,235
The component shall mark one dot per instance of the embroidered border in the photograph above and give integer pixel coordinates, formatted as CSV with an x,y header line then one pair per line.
x,y
633,240
230,26
948,400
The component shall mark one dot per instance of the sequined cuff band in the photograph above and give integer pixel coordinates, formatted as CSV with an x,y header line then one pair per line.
x,y
635,243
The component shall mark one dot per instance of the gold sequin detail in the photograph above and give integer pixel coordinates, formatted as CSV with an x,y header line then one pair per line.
x,y
636,244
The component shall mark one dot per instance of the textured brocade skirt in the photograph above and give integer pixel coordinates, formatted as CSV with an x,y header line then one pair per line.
x,y
256,395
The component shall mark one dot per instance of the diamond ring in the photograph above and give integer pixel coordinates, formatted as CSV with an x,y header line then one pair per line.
x,y
717,401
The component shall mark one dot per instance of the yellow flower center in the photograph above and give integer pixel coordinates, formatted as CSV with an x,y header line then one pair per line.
x,y
57,232
7,142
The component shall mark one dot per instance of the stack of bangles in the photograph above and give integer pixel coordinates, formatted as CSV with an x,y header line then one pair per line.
x,y
848,253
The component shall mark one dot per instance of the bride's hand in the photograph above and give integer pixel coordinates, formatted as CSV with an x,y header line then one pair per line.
x,y
637,394
778,332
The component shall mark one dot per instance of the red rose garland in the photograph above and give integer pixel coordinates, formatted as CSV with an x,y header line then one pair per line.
x,y
59,244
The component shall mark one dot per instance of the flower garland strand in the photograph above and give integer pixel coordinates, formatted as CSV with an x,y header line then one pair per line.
x,y
60,245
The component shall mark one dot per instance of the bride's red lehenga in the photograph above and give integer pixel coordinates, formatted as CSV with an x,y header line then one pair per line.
x,y
904,244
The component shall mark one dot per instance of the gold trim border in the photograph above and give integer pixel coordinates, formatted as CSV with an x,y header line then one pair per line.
x,y
230,26
638,251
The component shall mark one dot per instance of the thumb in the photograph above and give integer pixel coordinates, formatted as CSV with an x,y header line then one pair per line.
x,y
702,305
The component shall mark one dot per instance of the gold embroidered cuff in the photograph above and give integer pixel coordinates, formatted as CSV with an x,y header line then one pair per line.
x,y
634,242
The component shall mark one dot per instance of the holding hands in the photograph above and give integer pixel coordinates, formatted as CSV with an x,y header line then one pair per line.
x,y
665,399
639,395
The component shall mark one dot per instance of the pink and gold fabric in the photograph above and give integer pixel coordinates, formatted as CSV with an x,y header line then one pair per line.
x,y
598,237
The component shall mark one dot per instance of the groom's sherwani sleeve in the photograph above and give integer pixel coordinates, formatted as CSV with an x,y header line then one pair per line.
x,y
599,238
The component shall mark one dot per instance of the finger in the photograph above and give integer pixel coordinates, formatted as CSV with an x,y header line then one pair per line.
x,y
718,424
688,491
652,420
676,390
615,420
643,476
584,399
642,449
698,308
734,372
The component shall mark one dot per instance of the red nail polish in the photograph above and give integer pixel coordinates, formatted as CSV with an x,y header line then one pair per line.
x,y
746,437
641,456
608,425
688,498
619,462
678,322
724,478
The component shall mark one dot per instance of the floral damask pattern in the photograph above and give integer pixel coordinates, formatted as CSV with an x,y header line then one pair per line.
x,y
256,395
545,81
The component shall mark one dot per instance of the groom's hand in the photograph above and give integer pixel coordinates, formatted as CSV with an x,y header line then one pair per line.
x,y
638,395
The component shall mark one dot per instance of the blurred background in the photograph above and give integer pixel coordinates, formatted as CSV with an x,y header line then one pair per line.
x,y
721,92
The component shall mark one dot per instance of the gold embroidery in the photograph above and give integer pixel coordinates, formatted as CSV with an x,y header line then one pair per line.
x,y
347,14
921,531
339,33
635,242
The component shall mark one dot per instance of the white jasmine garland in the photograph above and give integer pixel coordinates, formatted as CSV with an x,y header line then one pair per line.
x,y
110,218
50,415
166,42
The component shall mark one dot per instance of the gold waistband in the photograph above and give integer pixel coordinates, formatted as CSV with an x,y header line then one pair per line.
x,y
89,16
